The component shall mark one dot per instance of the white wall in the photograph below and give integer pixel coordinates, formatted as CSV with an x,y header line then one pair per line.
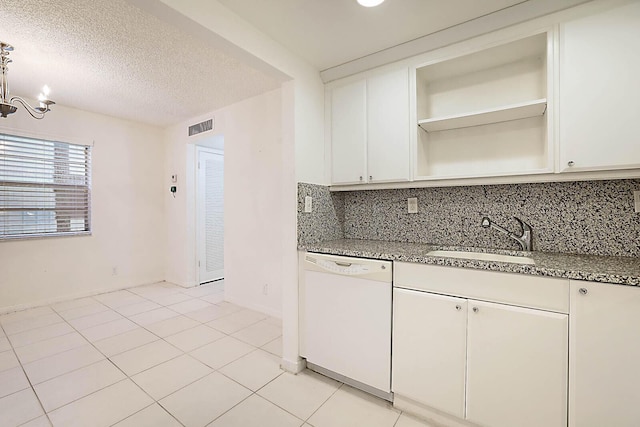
x,y
302,156
127,214
234,34
253,198
254,208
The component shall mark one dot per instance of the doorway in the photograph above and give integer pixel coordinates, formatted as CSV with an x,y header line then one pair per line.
x,y
210,213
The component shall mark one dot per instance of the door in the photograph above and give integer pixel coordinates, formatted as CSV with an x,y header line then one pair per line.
x,y
516,366
599,90
604,355
388,156
429,349
210,205
349,133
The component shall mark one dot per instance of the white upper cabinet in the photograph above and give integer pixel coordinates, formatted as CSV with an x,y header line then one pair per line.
x,y
486,113
370,130
604,352
388,127
349,133
529,103
599,114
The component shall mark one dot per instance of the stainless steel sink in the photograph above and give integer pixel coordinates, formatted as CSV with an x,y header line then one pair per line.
x,y
483,256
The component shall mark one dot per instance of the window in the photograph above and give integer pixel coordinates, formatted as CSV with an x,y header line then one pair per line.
x,y
45,188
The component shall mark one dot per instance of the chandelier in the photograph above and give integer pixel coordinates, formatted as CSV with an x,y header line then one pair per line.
x,y
7,105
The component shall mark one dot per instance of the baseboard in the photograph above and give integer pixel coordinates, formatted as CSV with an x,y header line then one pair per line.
x,y
256,307
49,301
294,367
185,285
432,416
177,282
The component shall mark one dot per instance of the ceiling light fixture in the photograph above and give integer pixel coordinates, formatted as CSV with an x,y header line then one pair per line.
x,y
370,3
7,105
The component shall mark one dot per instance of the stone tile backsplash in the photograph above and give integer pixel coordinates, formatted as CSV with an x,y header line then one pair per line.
x,y
586,217
326,221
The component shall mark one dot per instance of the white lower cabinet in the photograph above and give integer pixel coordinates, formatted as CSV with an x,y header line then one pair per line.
x,y
516,366
605,352
490,364
429,349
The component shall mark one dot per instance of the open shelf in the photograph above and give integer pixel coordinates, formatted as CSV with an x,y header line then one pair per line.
x,y
484,113
506,113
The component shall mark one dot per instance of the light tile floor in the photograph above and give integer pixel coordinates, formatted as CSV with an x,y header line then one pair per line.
x,y
161,355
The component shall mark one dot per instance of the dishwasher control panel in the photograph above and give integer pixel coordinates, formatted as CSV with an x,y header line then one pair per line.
x,y
347,266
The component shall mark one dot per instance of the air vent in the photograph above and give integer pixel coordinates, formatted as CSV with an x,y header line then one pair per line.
x,y
205,126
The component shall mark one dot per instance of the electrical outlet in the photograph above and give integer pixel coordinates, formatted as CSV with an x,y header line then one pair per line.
x,y
412,205
265,289
114,271
308,204
636,200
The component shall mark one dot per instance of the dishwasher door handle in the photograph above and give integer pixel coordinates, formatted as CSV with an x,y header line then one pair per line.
x,y
343,264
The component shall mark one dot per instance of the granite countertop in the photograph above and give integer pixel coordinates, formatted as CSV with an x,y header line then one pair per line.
x,y
607,269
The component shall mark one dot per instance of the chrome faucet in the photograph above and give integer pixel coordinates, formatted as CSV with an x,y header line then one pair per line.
x,y
524,239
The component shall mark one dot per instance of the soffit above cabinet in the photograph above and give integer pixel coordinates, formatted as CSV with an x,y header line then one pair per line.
x,y
370,37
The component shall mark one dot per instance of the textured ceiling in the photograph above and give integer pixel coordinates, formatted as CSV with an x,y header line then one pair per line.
x,y
111,58
328,33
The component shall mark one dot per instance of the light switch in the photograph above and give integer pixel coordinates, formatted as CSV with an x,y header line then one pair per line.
x,y
636,200
412,205
308,204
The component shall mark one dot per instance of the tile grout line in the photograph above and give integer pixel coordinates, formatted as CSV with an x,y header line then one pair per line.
x,y
218,370
254,348
127,377
237,404
137,385
28,381
155,402
252,392
286,410
37,327
323,403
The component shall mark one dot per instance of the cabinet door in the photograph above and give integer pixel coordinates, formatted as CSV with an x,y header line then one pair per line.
x,y
604,355
599,90
388,156
349,133
516,366
429,350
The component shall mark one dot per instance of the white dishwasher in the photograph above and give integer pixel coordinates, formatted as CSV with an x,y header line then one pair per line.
x,y
347,320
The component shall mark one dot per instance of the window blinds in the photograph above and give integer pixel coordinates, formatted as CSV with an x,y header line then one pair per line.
x,y
45,188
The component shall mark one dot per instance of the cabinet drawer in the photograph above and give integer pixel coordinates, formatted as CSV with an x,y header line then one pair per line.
x,y
508,288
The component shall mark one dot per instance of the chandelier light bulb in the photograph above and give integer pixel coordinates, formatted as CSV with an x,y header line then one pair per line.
x,y
9,104
370,3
